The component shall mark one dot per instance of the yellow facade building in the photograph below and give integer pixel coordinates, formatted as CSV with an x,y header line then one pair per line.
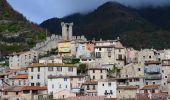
x,y
64,48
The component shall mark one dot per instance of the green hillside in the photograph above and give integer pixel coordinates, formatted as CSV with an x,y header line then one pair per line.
x,y
16,32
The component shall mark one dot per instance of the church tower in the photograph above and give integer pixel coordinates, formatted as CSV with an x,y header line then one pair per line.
x,y
67,30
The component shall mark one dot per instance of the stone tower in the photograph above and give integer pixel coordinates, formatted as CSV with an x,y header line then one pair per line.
x,y
67,30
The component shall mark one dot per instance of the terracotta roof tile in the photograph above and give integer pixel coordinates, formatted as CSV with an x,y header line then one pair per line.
x,y
154,96
153,86
20,76
128,87
88,98
61,76
90,83
51,65
152,62
21,88
34,88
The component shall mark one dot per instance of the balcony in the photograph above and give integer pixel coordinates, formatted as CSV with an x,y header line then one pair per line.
x,y
152,69
153,77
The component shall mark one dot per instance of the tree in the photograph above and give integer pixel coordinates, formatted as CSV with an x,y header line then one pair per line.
x,y
115,70
82,68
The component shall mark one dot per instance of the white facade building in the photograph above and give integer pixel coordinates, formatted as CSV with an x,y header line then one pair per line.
x,y
58,83
107,88
38,72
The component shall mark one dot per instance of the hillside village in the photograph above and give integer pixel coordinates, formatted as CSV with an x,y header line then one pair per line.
x,y
71,67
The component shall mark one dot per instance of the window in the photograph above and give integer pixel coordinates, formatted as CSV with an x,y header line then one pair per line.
x,y
32,84
101,76
65,79
120,57
146,83
88,87
70,69
109,54
162,71
38,84
52,86
109,84
26,91
149,57
93,77
16,93
153,82
119,91
38,69
38,76
98,54
12,83
70,85
137,79
93,71
153,91
111,92
164,83
94,87
19,82
31,77
105,92
32,69
138,69
101,71
100,49
130,80
66,86
102,84
165,76
60,86
50,68
5,93
59,68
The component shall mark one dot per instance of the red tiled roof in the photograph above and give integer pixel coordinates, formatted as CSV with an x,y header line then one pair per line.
x,y
152,62
60,76
88,98
21,88
128,87
20,76
90,83
34,88
153,86
154,96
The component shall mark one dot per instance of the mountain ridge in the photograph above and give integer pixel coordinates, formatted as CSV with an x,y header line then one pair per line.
x,y
112,20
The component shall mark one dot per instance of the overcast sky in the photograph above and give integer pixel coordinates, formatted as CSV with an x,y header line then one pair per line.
x,y
40,10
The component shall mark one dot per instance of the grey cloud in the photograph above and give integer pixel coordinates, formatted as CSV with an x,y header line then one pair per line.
x,y
40,10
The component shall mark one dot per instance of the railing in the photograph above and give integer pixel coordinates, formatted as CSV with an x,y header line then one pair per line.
x,y
153,77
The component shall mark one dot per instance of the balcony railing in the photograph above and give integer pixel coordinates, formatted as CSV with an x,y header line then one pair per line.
x,y
153,77
152,70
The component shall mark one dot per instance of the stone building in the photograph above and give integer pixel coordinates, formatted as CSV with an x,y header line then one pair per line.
x,y
22,59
